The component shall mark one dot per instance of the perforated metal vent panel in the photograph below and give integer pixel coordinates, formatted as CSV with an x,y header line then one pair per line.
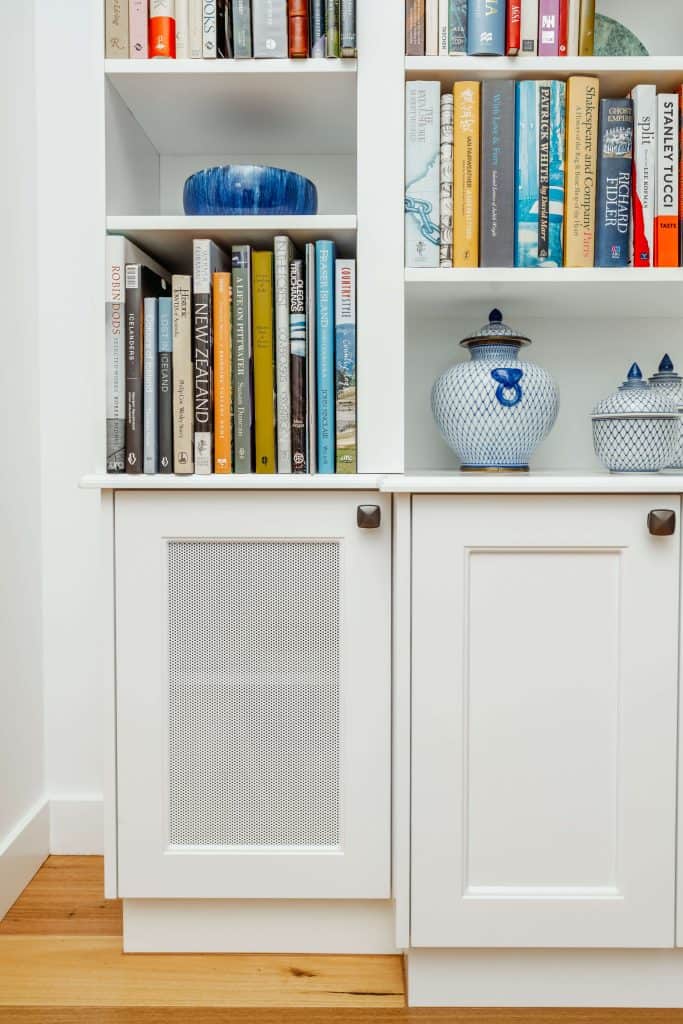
x,y
254,693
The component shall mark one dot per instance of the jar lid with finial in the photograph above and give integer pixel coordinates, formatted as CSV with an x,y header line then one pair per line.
x,y
496,332
636,398
667,380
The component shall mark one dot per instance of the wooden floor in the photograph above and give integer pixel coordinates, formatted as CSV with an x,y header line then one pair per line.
x,y
61,963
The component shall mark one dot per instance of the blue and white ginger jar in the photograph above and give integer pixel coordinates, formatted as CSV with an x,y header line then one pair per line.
x,y
496,409
636,430
671,383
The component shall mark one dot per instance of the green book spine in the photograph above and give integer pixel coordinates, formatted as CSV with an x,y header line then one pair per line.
x,y
333,49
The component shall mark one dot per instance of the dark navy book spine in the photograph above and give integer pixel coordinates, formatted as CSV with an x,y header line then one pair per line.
x,y
615,157
486,28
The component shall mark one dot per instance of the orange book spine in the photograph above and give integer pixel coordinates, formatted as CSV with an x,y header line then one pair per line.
x,y
298,28
222,372
666,220
162,28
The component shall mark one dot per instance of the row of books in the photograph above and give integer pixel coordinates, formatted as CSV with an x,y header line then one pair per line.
x,y
496,28
248,365
230,28
542,173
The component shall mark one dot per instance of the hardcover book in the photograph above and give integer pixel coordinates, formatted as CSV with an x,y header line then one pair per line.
x,y
162,28
666,223
207,259
347,37
539,161
513,41
466,136
196,25
345,357
209,29
318,40
284,254
415,28
165,379
325,259
497,207
297,339
529,30
613,217
573,20
311,381
422,237
431,28
548,26
116,28
457,26
241,31
264,362
486,28
644,174
586,28
680,175
224,47
563,29
183,375
182,29
298,28
446,182
137,29
332,35
443,27
583,106
149,386
242,360
141,283
269,28
222,372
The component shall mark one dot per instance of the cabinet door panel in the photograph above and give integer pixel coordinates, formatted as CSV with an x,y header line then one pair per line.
x,y
253,696
544,689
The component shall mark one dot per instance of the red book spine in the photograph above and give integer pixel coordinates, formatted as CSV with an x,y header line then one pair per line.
x,y
563,32
514,28
298,27
680,177
162,28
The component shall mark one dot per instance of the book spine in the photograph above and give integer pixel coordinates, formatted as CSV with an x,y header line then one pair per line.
x,y
222,372
539,164
115,327
224,47
457,27
348,45
497,226
529,28
666,225
446,183
283,255
165,379
264,369
318,39
134,368
573,28
162,28
150,385
298,28
415,28
680,176
183,383
203,355
644,186
325,256
242,358
195,27
587,28
563,29
443,27
311,382
422,238
548,25
209,28
582,124
297,340
486,23
613,217
269,28
137,29
513,40
116,41
333,42
345,368
466,135
241,29
431,28
182,29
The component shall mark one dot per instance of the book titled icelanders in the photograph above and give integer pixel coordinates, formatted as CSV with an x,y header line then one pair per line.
x,y
207,259
325,260
486,24
165,383
539,162
345,359
615,160
422,235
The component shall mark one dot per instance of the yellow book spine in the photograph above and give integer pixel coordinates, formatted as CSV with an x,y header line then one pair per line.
x,y
222,373
583,110
264,354
466,133
587,28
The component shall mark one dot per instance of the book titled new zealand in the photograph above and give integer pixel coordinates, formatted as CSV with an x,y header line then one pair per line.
x,y
311,382
222,372
466,147
582,124
162,28
325,260
183,375
548,28
529,29
241,28
137,29
298,28
264,362
165,379
269,28
297,340
497,206
141,283
207,259
333,41
615,159
345,356
457,26
422,235
415,28
318,36
150,384
242,360
539,163
666,223
347,28
283,254
644,174
116,28
486,28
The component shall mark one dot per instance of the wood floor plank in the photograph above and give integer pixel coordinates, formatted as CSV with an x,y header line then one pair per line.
x,y
203,1015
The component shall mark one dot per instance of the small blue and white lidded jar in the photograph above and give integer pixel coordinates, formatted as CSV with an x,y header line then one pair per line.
x,y
496,409
671,383
636,429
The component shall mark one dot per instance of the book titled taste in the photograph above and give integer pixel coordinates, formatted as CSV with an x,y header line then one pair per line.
x,y
486,28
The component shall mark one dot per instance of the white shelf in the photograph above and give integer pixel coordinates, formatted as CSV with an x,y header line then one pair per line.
x,y
545,292
559,482
169,239
617,74
241,107
231,482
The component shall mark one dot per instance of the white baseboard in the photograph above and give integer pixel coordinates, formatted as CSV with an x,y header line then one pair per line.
x,y
77,825
22,852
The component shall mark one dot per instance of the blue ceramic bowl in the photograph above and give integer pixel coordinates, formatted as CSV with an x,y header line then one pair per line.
x,y
248,189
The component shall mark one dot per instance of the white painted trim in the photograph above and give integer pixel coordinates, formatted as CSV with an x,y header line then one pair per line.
x,y
535,482
401,677
258,926
77,825
232,482
545,977
22,852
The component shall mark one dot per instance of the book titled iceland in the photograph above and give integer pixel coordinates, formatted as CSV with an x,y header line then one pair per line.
x,y
540,135
613,218
422,235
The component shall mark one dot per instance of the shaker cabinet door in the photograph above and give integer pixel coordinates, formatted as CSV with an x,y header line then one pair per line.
x,y
253,695
545,640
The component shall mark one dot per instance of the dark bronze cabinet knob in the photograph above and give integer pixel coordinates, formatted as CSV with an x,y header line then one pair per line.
x,y
369,517
661,522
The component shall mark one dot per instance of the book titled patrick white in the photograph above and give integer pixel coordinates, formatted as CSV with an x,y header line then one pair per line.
x,y
422,235
540,163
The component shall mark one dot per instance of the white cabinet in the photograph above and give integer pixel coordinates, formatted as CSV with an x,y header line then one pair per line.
x,y
253,695
545,645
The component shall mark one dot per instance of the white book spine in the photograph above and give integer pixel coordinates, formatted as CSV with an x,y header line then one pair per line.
x,y
282,253
196,9
573,28
149,377
209,28
423,114
431,27
182,29
645,171
269,28
443,27
529,28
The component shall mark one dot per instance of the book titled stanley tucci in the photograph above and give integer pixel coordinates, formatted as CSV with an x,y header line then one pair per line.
x,y
486,28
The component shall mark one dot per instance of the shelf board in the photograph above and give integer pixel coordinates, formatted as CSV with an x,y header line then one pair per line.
x,y
231,482
617,74
169,239
544,292
534,482
247,107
